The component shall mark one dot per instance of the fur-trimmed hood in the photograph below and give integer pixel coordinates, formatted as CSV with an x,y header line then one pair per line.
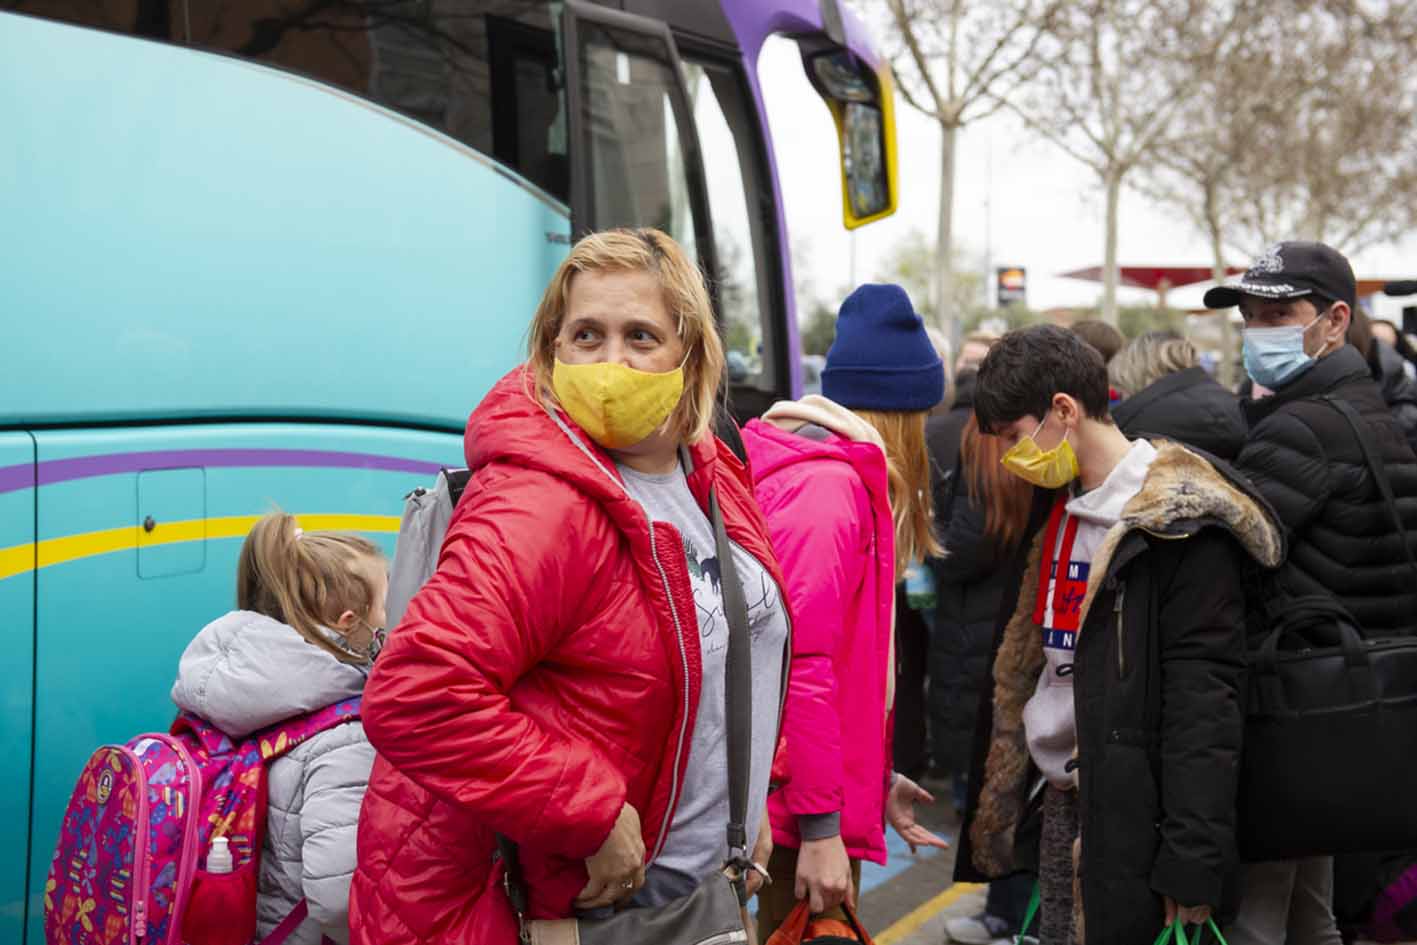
x,y
1183,493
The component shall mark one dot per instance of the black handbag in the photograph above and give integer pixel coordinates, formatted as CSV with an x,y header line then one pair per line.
x,y
715,912
1330,754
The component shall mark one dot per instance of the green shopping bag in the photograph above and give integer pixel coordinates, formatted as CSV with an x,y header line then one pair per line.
x,y
1030,913
1178,931
1175,930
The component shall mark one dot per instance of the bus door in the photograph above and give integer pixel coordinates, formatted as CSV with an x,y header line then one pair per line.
x,y
17,564
635,153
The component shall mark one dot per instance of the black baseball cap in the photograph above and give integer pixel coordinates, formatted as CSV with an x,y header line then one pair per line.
x,y
1291,271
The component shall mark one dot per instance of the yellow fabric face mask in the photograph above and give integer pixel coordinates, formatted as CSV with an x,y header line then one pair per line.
x,y
616,405
1048,469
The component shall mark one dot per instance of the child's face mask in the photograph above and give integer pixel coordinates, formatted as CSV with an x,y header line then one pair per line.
x,y
361,644
1048,469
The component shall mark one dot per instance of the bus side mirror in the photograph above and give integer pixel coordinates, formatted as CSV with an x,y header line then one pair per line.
x,y
862,103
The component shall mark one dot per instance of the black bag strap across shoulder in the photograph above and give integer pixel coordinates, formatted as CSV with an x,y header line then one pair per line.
x,y
738,690
738,697
1377,467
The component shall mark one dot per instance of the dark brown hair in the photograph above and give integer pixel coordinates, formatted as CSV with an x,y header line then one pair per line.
x,y
1105,339
1028,367
1359,334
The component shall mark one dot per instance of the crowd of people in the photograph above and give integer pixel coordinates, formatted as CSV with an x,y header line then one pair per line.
x,y
650,667
1277,504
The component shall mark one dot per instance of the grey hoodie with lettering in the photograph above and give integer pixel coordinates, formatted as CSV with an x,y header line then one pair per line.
x,y
244,672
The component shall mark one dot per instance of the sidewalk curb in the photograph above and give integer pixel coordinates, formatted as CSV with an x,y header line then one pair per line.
x,y
924,913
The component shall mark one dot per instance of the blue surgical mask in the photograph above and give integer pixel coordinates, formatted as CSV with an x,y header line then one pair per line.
x,y
1276,356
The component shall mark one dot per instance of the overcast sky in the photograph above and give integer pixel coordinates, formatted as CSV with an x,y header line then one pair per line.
x,y
1046,209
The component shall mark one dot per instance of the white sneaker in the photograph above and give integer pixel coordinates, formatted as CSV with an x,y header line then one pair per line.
x,y
981,929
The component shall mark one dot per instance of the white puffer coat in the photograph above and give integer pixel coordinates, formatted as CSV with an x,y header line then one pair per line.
x,y
245,672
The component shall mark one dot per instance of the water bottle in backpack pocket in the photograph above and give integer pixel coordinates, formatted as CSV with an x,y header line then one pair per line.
x,y
162,837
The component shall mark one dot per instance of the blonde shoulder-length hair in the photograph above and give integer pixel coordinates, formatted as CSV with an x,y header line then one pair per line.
x,y
1147,359
685,295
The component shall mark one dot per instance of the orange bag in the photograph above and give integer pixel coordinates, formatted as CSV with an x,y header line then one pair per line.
x,y
800,928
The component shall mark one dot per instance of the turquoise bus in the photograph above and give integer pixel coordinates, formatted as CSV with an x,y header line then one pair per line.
x,y
271,252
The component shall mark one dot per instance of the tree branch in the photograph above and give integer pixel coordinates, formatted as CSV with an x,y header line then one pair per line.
x,y
917,56
910,98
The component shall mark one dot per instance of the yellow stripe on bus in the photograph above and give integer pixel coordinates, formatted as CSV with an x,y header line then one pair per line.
x,y
19,559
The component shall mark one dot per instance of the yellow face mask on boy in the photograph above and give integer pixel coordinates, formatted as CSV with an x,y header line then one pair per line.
x,y
1048,469
616,405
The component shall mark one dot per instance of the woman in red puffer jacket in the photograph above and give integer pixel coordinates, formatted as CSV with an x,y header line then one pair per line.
x,y
545,684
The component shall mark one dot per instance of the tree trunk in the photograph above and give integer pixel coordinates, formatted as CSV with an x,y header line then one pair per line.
x,y
1113,181
946,318
1226,369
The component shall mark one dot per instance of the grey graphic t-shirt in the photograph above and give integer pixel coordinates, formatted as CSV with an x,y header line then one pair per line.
x,y
697,844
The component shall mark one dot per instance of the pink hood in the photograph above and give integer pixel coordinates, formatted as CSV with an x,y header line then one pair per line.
x,y
827,503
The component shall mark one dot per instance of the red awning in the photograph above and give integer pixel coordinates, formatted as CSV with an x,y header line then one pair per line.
x,y
1153,277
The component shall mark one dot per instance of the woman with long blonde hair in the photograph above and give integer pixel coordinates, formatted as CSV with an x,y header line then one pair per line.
x,y
844,480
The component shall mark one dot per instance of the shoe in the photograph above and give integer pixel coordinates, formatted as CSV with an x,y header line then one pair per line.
x,y
982,929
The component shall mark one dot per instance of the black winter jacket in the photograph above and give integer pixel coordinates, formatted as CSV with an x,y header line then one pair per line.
x,y
944,431
1399,390
1158,674
1303,457
1189,407
968,591
970,584
968,587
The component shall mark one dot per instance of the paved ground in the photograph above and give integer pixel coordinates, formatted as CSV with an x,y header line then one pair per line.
x,y
906,902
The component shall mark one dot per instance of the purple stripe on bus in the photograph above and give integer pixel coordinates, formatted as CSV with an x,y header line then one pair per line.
x,y
83,467
13,478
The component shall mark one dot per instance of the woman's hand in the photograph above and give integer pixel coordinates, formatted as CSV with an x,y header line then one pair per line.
x,y
762,852
618,868
1189,915
824,874
900,813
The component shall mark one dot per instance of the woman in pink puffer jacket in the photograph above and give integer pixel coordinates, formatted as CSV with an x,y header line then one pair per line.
x,y
843,480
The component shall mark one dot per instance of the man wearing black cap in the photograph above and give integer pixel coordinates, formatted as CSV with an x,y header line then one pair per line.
x,y
1297,299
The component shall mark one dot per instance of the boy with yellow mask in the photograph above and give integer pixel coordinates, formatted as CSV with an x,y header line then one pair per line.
x,y
1117,674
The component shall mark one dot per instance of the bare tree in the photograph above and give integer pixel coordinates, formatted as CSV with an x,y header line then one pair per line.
x,y
1327,150
1336,159
957,62
1111,88
1214,135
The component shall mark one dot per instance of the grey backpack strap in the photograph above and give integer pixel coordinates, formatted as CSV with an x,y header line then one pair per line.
x,y
426,514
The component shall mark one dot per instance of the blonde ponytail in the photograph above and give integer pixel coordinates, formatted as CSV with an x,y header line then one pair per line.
x,y
305,579
908,467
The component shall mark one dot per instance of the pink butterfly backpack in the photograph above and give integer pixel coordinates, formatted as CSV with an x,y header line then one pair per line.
x,y
129,863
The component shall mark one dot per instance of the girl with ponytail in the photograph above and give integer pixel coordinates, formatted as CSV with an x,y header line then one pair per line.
x,y
308,625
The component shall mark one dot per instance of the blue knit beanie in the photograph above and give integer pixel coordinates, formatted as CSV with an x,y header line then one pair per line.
x,y
881,358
